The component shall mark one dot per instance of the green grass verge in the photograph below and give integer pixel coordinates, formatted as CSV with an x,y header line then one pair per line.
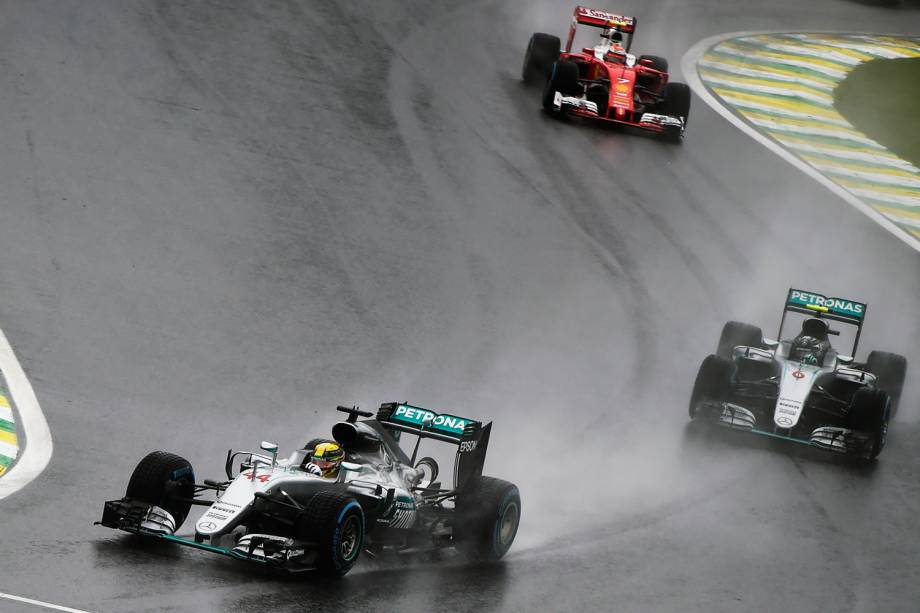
x,y
882,99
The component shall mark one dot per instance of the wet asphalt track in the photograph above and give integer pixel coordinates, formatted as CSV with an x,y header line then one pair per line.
x,y
218,220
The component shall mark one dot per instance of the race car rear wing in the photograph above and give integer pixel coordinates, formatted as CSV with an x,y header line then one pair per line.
x,y
470,436
836,309
600,19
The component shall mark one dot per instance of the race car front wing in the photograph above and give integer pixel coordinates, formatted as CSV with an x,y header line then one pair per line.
x,y
148,520
587,108
829,438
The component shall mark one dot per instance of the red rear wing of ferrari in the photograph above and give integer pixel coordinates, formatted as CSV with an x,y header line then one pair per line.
x,y
602,19
598,19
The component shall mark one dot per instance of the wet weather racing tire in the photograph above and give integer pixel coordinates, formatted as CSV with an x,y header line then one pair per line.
x,y
891,370
677,101
165,480
563,78
869,413
542,51
676,104
335,522
655,62
713,382
734,334
488,514
599,94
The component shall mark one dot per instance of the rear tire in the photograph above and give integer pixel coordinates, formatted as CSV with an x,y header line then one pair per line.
x,y
891,370
164,479
735,333
870,412
564,79
542,51
713,382
335,521
488,515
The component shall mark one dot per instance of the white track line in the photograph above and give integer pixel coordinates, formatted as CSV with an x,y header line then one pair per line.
x,y
688,65
39,603
37,446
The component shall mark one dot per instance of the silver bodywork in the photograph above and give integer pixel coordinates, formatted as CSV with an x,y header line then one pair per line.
x,y
233,504
796,381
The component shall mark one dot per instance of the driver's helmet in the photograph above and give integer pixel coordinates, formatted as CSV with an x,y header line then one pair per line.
x,y
328,458
811,345
611,34
610,43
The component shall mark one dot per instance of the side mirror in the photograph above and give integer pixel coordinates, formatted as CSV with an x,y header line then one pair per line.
x,y
429,469
351,466
271,448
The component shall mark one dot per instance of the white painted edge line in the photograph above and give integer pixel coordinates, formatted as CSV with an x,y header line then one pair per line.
x,y
39,603
688,65
35,452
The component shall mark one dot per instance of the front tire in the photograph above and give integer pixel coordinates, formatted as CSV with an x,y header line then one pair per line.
x,y
335,521
564,79
890,369
713,382
676,103
165,480
869,413
599,94
488,515
542,51
734,334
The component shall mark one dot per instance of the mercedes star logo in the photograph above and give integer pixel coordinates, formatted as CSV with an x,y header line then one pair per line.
x,y
206,525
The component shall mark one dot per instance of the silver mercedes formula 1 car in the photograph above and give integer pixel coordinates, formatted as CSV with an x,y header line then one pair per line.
x,y
274,512
802,389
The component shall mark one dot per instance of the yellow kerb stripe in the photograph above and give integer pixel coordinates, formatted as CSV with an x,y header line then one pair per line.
x,y
789,105
772,70
4,402
7,437
899,212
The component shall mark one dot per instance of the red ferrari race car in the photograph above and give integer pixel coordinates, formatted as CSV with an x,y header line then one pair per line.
x,y
606,82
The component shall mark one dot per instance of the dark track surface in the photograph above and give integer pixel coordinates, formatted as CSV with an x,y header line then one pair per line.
x,y
219,220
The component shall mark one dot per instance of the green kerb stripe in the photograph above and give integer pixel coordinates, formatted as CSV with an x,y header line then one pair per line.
x,y
5,461
755,61
874,203
785,129
8,426
844,144
760,48
878,163
790,97
864,165
710,72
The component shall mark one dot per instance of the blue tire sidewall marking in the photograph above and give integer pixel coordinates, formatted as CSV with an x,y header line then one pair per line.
x,y
344,510
181,472
338,531
513,495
